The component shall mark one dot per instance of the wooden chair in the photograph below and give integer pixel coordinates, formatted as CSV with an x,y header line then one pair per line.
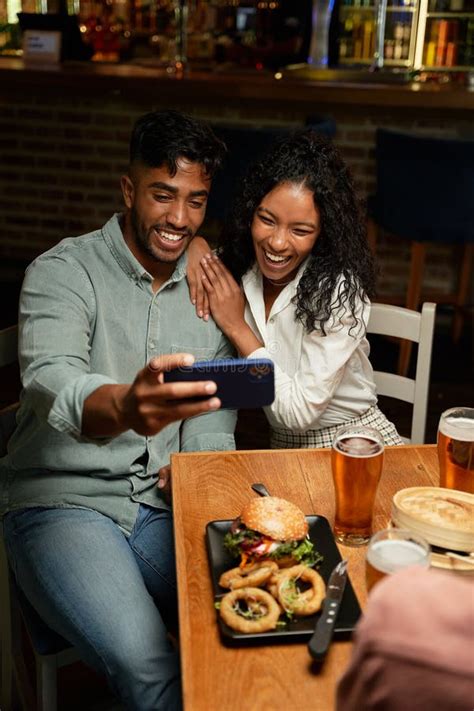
x,y
416,327
425,194
50,650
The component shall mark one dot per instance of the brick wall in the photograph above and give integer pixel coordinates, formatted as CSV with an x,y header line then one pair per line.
x,y
61,157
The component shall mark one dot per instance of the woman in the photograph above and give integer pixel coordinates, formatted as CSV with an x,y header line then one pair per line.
x,y
296,242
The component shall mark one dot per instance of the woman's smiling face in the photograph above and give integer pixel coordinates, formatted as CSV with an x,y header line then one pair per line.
x,y
285,227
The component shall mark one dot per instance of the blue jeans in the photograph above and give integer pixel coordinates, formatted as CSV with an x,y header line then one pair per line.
x,y
105,593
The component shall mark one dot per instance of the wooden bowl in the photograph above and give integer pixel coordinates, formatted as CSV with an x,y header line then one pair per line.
x,y
444,517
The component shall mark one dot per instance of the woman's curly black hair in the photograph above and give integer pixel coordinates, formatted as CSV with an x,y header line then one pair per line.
x,y
341,254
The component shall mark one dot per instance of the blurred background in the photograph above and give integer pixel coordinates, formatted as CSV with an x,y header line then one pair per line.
x,y
255,70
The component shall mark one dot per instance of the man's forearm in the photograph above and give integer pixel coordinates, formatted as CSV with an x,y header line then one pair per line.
x,y
148,404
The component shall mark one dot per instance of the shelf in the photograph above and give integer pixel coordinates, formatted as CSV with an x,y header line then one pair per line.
x,y
406,63
346,9
456,15
440,68
357,7
355,60
397,62
350,9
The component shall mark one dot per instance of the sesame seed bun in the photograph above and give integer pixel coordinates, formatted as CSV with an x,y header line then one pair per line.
x,y
276,518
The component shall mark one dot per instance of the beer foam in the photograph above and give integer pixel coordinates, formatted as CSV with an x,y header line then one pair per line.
x,y
392,555
460,428
358,446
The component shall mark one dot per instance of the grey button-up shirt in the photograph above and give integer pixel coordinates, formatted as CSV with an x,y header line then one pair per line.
x,y
88,317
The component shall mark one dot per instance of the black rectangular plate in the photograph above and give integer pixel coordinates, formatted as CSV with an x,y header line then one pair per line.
x,y
301,628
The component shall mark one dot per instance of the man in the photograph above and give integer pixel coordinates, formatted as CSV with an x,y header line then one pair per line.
x,y
88,532
414,646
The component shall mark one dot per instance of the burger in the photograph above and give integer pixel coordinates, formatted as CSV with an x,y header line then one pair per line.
x,y
270,528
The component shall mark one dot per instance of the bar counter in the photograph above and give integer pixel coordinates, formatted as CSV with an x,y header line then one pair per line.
x,y
233,87
65,131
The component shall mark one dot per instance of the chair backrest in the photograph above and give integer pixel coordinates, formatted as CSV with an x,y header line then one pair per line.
x,y
425,186
8,355
8,345
417,327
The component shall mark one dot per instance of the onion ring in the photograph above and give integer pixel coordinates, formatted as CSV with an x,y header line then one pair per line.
x,y
272,584
295,601
251,575
286,561
260,604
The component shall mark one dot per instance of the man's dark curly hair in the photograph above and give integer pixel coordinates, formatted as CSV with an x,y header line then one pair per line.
x,y
162,137
341,251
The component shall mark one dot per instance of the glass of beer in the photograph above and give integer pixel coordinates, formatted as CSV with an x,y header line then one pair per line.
x,y
456,449
394,549
356,462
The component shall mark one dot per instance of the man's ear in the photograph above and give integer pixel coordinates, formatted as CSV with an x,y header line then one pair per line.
x,y
127,190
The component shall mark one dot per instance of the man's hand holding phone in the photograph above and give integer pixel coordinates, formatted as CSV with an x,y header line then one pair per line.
x,y
150,402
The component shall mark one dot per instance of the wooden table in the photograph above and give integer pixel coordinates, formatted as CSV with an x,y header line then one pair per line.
x,y
215,485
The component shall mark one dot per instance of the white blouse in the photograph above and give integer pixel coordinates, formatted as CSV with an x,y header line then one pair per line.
x,y
319,380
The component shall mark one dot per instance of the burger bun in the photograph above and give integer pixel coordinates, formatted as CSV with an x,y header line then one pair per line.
x,y
276,518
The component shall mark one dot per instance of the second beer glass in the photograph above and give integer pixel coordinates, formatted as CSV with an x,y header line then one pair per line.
x,y
391,550
356,460
456,449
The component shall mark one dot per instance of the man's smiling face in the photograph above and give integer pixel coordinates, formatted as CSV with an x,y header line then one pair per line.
x,y
165,211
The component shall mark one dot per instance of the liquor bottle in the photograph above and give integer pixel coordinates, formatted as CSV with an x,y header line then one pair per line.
x,y
389,49
469,45
451,54
430,54
442,42
367,39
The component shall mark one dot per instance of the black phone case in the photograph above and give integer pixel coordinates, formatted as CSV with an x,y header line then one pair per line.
x,y
240,383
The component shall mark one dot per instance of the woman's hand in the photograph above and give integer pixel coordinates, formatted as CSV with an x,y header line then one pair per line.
x,y
227,302
197,249
226,299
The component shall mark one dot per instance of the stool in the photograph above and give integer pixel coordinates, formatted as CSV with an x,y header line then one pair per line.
x,y
425,193
245,143
50,650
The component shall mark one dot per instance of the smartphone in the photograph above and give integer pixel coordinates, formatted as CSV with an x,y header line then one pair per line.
x,y
241,383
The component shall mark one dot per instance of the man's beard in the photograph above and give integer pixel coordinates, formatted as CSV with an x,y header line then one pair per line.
x,y
143,239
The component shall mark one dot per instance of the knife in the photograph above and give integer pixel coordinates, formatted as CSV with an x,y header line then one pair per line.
x,y
322,635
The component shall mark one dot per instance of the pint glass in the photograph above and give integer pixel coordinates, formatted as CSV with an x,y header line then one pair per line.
x,y
356,462
456,449
391,550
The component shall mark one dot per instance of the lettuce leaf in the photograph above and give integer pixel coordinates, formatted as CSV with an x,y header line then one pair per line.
x,y
302,551
233,541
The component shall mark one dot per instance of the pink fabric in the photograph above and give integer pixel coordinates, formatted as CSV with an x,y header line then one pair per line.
x,y
414,647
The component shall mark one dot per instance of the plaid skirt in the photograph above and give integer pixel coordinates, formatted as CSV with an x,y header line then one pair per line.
x,y
287,439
